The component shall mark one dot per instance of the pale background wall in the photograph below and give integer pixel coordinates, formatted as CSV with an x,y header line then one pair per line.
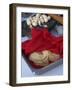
x,y
4,45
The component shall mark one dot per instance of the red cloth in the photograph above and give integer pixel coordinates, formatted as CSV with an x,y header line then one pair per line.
x,y
43,40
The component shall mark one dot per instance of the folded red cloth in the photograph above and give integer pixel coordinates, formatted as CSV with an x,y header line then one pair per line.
x,y
43,40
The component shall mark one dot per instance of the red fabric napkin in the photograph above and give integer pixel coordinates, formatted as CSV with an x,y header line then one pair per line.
x,y
43,40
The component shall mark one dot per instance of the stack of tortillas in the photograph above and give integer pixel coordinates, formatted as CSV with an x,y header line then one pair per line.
x,y
43,58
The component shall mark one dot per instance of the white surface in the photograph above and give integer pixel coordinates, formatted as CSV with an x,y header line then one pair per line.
x,y
4,45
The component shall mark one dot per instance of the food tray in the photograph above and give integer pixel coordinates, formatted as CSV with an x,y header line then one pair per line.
x,y
38,71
